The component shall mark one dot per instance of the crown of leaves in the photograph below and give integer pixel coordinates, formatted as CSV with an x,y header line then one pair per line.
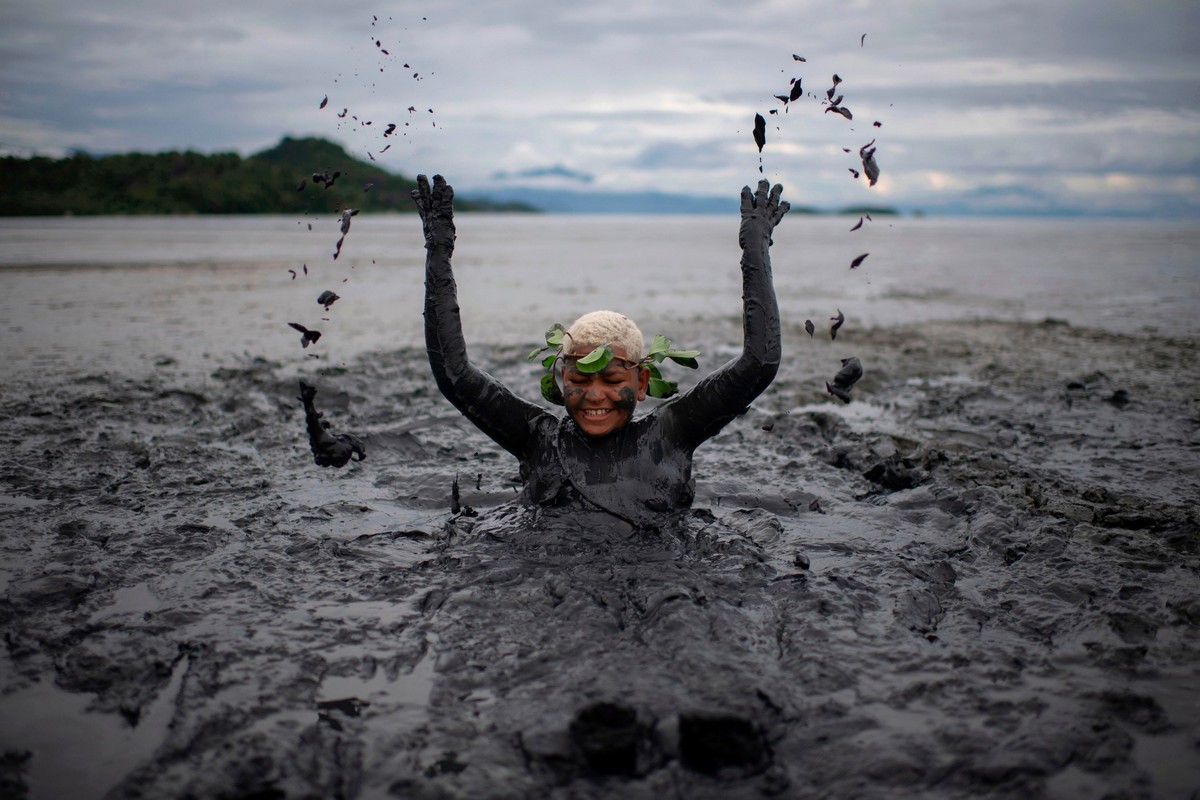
x,y
599,358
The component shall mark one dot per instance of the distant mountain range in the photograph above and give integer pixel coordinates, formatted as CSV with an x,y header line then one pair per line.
x,y
574,201
308,175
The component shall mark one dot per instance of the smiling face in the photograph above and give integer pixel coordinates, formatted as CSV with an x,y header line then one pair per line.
x,y
603,402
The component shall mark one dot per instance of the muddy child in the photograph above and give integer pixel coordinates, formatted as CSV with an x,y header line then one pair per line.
x,y
599,457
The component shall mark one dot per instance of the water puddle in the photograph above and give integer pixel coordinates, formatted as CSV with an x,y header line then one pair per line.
x,y
385,611
20,501
408,693
76,752
129,600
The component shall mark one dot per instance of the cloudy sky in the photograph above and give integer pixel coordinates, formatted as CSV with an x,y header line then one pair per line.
x,y
1012,105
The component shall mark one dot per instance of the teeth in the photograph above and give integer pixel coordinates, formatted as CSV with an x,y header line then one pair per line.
x,y
595,412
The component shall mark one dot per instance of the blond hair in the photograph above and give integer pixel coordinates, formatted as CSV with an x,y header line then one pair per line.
x,y
598,328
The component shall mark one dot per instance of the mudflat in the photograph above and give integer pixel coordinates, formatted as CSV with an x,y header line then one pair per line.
x,y
977,578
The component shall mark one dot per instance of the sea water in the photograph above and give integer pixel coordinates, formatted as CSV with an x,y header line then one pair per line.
x,y
77,293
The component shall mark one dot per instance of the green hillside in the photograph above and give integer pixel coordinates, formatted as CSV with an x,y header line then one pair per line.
x,y
194,183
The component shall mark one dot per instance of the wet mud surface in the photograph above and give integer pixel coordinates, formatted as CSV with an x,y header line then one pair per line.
x,y
976,579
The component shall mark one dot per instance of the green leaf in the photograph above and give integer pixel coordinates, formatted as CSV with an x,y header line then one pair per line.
x,y
596,360
661,344
550,390
654,373
534,353
662,389
548,361
554,335
683,353
685,361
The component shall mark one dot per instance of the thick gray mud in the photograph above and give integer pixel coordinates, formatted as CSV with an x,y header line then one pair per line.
x,y
977,579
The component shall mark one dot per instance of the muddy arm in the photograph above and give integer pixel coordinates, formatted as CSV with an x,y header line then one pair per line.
x,y
481,398
728,391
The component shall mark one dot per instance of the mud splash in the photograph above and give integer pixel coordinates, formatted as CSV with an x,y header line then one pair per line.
x,y
993,595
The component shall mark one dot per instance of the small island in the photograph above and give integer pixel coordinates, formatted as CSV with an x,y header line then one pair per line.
x,y
274,181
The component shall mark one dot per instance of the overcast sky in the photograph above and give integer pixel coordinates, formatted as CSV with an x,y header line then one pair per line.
x,y
1086,105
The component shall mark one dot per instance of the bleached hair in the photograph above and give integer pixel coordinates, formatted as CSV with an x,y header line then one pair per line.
x,y
597,328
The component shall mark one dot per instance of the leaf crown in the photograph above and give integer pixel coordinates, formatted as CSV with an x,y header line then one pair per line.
x,y
599,358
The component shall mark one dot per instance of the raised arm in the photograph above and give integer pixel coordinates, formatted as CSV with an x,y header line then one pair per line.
x,y
481,398
728,391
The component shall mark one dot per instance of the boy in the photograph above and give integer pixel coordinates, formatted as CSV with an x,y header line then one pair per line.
x,y
598,456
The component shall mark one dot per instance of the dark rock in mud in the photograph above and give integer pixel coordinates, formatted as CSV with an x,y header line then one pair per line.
x,y
722,745
893,474
1141,711
612,740
1120,398
13,766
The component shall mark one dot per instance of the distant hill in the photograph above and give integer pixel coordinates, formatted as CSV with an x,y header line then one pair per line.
x,y
572,201
221,183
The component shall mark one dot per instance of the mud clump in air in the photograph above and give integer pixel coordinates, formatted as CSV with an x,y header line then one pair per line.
x,y
847,376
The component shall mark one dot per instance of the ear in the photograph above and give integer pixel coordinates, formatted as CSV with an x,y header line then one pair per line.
x,y
643,382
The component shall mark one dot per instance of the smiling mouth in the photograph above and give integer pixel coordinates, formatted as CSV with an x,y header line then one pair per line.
x,y
596,413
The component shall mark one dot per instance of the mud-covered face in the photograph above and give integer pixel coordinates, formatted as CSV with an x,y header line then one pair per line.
x,y
603,402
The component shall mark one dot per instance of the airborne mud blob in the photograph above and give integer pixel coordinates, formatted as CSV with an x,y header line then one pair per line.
x,y
307,337
838,321
870,167
847,376
327,298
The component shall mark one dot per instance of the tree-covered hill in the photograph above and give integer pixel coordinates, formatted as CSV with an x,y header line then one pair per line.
x,y
194,183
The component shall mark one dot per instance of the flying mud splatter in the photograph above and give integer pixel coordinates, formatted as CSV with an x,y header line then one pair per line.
x,y
845,379
307,337
327,298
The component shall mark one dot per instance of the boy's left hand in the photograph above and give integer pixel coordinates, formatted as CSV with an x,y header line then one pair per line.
x,y
761,212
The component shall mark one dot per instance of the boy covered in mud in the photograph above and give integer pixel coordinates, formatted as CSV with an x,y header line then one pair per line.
x,y
598,456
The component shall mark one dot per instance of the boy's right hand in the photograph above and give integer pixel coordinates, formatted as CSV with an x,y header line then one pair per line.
x,y
436,207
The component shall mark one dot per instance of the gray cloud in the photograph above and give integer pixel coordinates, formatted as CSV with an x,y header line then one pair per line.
x,y
554,171
996,101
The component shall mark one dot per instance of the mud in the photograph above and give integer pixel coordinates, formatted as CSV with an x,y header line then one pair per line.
x,y
979,579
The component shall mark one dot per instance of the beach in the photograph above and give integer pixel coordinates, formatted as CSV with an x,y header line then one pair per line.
x,y
977,579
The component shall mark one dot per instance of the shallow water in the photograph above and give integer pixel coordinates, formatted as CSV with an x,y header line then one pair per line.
x,y
199,291
1006,609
